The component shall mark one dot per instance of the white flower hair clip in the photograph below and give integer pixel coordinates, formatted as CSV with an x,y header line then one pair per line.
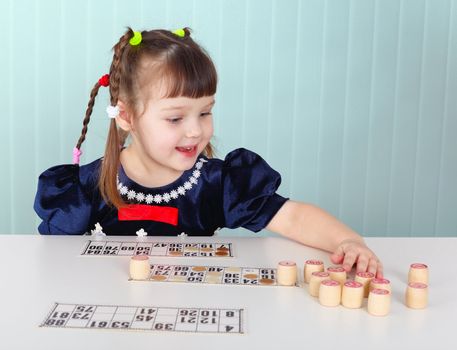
x,y
98,232
113,111
141,233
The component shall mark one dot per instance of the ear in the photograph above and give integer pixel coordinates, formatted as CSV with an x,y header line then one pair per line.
x,y
125,118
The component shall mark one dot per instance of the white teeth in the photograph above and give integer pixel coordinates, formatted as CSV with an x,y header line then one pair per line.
x,y
187,149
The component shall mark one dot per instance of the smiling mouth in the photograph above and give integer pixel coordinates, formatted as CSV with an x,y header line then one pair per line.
x,y
187,149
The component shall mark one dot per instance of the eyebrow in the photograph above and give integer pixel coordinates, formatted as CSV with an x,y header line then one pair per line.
x,y
172,108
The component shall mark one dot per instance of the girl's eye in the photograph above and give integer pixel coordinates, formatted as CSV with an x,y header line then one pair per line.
x,y
205,114
174,120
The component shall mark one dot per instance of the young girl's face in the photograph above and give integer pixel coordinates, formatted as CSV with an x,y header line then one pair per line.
x,y
172,132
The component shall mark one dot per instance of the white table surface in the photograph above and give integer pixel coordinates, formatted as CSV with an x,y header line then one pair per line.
x,y
37,271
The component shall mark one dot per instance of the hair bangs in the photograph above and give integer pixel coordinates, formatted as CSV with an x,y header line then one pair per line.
x,y
189,73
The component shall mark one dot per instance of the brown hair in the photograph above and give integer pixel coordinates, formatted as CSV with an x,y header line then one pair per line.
x,y
182,63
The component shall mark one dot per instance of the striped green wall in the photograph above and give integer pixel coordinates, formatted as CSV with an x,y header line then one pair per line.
x,y
354,102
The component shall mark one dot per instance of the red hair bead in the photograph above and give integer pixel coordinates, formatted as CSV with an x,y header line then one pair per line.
x,y
104,80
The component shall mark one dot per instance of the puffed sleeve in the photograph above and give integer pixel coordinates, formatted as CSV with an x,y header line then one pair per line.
x,y
249,191
62,202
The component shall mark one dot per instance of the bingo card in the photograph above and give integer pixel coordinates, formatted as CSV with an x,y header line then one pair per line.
x,y
258,276
145,318
118,248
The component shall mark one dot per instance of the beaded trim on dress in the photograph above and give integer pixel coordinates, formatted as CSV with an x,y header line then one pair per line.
x,y
166,197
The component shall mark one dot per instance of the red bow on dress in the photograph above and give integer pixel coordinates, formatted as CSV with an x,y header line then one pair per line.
x,y
168,215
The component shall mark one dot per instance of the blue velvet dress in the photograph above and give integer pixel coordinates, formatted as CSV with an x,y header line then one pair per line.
x,y
239,191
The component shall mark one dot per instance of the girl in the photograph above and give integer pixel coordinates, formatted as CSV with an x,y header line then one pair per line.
x,y
166,181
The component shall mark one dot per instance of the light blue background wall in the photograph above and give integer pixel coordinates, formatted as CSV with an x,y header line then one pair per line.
x,y
354,102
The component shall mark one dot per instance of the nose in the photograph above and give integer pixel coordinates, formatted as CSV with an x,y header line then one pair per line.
x,y
194,128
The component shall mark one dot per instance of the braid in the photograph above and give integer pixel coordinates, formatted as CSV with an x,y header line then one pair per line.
x,y
86,120
116,66
116,138
115,74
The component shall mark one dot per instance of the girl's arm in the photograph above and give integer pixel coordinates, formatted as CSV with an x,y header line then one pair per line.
x,y
316,228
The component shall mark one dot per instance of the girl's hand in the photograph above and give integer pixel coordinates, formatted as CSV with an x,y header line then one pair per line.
x,y
352,251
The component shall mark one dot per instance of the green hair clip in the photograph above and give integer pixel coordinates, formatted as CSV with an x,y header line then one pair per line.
x,y
179,32
135,39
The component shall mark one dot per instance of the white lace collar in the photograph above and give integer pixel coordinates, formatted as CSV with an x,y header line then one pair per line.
x,y
166,197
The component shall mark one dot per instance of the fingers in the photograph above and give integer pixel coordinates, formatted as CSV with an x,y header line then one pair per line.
x,y
380,270
362,263
354,254
372,266
336,259
349,260
338,255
